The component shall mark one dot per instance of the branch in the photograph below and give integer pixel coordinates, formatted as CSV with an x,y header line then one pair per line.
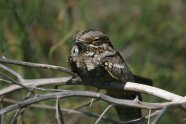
x,y
129,86
35,83
152,91
68,111
36,65
18,76
114,101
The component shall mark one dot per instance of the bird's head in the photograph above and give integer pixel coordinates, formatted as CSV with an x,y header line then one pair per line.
x,y
91,37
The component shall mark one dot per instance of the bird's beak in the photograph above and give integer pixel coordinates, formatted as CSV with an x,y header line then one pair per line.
x,y
80,44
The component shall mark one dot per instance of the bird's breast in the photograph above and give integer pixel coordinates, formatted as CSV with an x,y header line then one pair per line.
x,y
90,68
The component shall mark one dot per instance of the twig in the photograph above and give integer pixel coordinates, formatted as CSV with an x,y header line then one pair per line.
x,y
20,110
103,113
15,116
149,116
20,117
160,114
2,118
35,83
18,76
4,80
8,78
153,114
93,99
59,115
36,65
84,104
67,111
135,121
1,101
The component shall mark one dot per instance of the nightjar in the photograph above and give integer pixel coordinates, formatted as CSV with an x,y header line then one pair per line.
x,y
94,59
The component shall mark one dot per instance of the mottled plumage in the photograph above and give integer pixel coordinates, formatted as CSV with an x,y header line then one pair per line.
x,y
94,59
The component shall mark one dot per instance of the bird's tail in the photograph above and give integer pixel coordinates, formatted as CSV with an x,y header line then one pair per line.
x,y
126,114
143,80
130,115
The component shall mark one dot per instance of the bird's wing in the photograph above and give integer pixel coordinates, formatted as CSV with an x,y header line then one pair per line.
x,y
117,68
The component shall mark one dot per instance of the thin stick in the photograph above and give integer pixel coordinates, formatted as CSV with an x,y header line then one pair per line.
x,y
34,83
149,116
160,114
100,117
134,121
84,104
59,115
67,111
17,75
15,116
2,118
5,80
36,65
8,78
153,114
93,99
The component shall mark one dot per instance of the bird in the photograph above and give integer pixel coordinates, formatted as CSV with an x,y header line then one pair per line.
x,y
94,59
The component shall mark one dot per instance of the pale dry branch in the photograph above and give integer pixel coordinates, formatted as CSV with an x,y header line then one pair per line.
x,y
102,114
35,83
152,91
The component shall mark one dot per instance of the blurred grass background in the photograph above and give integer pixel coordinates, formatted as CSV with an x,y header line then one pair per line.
x,y
151,36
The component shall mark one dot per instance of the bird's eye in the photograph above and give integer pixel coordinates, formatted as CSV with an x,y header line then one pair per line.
x,y
96,38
